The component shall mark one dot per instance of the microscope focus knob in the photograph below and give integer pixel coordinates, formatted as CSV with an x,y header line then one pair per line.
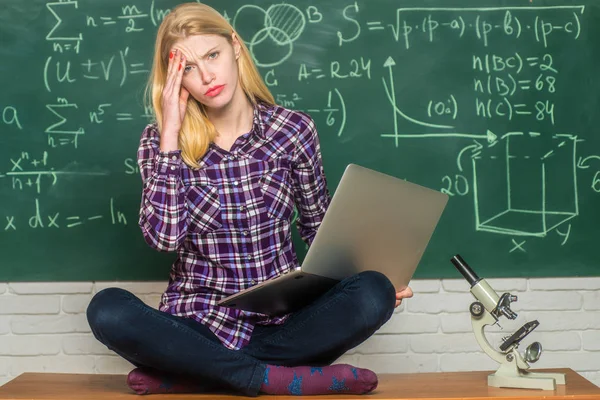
x,y
476,309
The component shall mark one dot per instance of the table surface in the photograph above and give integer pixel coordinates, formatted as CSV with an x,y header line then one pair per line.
x,y
435,385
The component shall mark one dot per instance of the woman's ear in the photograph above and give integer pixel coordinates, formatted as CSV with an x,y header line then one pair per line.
x,y
236,45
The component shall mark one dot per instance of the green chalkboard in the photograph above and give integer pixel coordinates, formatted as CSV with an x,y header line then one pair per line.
x,y
495,102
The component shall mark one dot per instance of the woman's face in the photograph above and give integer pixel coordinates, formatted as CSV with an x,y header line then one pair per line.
x,y
210,72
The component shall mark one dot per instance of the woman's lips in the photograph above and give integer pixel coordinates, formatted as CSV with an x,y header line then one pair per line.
x,y
212,92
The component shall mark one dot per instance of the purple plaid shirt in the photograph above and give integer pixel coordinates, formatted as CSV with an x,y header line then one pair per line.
x,y
230,221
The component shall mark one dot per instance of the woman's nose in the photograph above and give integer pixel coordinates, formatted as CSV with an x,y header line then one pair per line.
x,y
206,76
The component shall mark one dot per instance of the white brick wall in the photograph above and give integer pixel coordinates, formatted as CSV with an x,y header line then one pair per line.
x,y
43,328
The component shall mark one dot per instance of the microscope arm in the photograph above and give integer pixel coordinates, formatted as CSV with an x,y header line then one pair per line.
x,y
479,325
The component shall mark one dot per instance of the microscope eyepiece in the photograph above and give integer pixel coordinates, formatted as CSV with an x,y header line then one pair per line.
x,y
465,270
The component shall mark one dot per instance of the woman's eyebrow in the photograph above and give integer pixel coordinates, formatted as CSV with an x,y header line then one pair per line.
x,y
202,56
210,51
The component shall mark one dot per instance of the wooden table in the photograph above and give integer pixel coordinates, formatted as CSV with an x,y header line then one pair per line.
x,y
437,385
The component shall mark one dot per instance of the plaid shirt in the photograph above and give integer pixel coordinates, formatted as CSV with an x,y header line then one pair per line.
x,y
230,221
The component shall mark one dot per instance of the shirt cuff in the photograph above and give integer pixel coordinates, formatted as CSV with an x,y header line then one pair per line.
x,y
169,163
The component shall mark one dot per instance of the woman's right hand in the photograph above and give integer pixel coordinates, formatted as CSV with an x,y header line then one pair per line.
x,y
173,102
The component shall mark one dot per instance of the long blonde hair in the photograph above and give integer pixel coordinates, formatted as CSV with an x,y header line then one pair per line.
x,y
197,132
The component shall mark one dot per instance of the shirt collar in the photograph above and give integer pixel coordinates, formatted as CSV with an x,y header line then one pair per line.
x,y
262,116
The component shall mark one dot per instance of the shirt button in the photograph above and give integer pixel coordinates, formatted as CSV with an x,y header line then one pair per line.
x,y
249,257
236,183
174,158
242,208
246,233
265,187
173,168
253,282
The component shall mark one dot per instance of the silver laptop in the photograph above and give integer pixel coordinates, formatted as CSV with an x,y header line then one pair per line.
x,y
374,222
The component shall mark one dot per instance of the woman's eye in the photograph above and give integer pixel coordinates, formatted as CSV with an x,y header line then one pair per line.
x,y
187,68
213,55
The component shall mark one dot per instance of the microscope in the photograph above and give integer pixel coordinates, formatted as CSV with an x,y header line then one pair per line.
x,y
489,307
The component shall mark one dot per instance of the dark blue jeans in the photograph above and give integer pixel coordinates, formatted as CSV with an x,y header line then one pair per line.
x,y
316,335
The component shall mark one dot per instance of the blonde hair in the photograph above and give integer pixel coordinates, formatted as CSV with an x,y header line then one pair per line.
x,y
197,132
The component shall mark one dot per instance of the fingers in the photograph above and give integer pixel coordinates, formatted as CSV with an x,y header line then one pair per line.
x,y
181,92
172,54
170,68
175,96
179,71
404,293
175,69
183,97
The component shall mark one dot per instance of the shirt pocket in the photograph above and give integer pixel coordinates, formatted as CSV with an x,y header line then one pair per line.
x,y
204,208
277,194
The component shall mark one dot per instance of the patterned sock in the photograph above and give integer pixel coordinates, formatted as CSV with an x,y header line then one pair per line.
x,y
339,378
148,381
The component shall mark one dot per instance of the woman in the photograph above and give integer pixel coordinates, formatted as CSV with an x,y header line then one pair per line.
x,y
222,169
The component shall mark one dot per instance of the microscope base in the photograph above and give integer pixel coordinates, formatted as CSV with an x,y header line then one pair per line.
x,y
526,380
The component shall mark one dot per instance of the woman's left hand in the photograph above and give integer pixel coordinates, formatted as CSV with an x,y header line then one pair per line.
x,y
403,294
